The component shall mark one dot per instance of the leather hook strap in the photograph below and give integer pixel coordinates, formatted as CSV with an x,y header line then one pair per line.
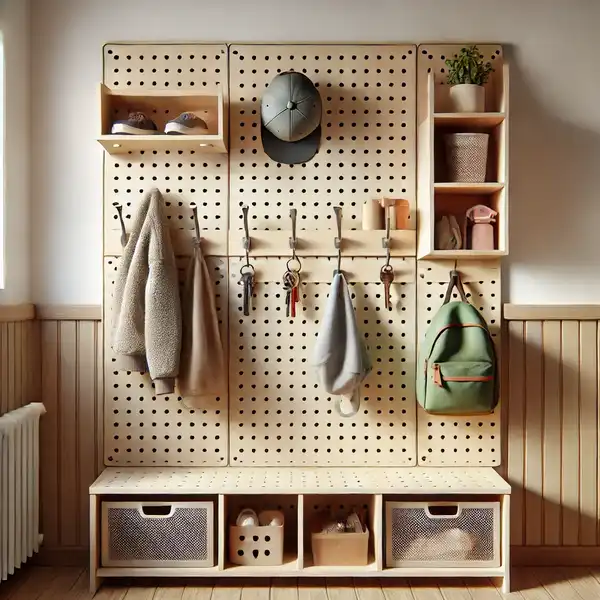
x,y
455,282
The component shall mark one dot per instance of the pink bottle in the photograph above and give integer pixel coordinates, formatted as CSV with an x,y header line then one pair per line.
x,y
482,228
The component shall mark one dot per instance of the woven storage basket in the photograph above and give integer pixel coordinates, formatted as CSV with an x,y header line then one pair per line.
x,y
466,156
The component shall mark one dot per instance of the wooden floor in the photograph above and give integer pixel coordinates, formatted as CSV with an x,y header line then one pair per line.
x,y
71,583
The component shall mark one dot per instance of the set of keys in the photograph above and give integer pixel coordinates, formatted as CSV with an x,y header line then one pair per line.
x,y
291,282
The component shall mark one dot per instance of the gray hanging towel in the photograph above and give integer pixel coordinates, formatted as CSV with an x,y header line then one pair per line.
x,y
340,353
202,365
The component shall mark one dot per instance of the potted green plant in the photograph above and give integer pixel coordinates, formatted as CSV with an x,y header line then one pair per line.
x,y
467,74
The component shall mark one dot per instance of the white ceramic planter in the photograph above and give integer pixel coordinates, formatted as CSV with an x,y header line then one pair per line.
x,y
467,97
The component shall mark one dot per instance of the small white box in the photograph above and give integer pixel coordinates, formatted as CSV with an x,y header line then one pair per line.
x,y
442,534
157,534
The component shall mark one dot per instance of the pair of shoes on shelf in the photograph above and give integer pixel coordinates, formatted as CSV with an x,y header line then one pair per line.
x,y
249,518
137,123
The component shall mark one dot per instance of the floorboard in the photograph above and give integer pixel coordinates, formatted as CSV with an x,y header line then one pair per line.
x,y
37,583
169,593
284,589
396,589
140,593
423,589
62,584
529,586
81,589
109,591
312,589
256,590
340,588
555,585
10,587
482,589
202,591
227,590
454,589
583,581
368,590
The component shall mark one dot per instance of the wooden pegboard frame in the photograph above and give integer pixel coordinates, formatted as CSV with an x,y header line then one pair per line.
x,y
126,179
140,427
279,416
457,440
368,140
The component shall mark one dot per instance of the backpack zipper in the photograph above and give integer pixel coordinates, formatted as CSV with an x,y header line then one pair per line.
x,y
439,380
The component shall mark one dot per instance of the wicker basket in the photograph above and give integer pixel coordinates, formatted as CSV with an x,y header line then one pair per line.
x,y
466,156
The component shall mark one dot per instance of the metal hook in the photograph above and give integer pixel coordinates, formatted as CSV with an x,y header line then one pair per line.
x,y
246,239
338,240
293,240
196,223
124,235
386,240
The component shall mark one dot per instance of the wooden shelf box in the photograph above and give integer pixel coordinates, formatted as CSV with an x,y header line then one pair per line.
x,y
162,106
436,196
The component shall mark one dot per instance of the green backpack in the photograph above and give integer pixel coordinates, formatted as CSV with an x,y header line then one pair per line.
x,y
457,367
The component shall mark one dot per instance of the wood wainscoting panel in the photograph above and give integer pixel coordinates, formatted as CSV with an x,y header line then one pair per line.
x,y
552,440
19,356
71,431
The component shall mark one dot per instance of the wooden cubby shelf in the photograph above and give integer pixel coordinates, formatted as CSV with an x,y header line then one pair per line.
x,y
467,189
436,196
161,106
469,120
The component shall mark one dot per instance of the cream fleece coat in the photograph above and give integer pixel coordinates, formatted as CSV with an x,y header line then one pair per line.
x,y
147,311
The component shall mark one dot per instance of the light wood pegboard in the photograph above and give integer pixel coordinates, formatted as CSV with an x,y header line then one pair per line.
x,y
183,176
141,428
457,440
368,134
279,414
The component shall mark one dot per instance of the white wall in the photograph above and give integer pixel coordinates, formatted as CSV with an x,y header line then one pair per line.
x,y
555,128
15,26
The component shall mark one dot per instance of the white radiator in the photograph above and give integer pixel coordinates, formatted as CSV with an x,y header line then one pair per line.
x,y
19,486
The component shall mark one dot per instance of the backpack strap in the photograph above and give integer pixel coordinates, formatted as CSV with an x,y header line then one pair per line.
x,y
455,282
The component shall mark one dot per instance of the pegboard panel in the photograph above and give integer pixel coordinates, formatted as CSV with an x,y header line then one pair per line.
x,y
141,428
431,59
183,176
368,134
279,414
457,440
